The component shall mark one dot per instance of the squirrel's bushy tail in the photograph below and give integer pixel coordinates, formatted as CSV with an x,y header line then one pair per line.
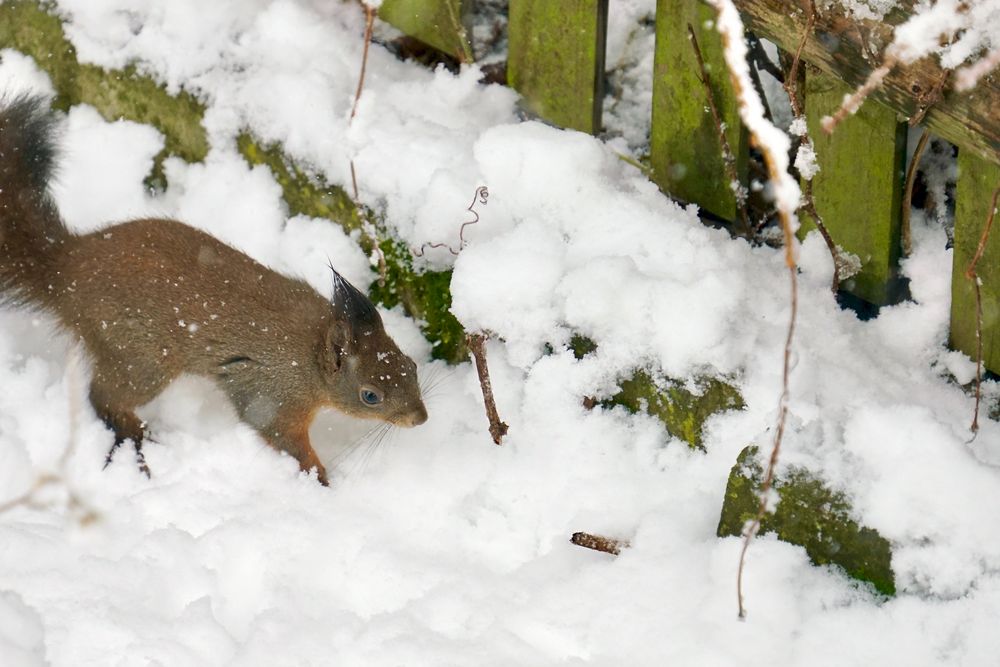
x,y
32,234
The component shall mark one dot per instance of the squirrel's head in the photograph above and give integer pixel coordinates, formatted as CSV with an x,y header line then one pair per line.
x,y
367,375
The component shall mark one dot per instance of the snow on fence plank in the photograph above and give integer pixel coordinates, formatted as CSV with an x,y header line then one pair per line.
x,y
859,187
684,144
556,59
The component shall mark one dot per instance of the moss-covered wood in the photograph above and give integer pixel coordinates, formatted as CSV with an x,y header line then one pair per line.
x,y
686,154
424,296
977,179
27,26
859,188
438,23
683,411
810,515
556,59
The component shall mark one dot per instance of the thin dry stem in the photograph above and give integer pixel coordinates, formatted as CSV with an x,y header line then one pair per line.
x,y
480,197
970,273
791,86
367,225
853,102
477,346
906,233
728,159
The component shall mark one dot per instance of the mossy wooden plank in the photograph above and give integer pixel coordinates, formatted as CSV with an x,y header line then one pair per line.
x,y
556,59
859,188
810,515
27,27
686,154
439,23
977,179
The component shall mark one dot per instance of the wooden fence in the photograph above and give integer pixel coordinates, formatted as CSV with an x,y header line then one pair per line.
x,y
556,61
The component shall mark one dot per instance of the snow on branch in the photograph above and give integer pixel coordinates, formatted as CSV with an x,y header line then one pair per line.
x,y
775,145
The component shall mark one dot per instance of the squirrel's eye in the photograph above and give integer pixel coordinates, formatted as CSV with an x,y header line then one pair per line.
x,y
370,397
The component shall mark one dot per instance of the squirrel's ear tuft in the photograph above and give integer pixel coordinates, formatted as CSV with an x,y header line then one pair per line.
x,y
351,305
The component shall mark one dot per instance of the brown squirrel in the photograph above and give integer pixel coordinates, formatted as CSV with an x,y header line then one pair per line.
x,y
152,299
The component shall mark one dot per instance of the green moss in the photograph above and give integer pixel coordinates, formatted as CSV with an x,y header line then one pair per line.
x,y
29,27
424,296
810,515
303,193
683,412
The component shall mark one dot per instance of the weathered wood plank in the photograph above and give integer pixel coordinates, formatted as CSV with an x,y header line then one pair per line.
x,y
439,23
976,180
859,189
685,151
556,59
970,120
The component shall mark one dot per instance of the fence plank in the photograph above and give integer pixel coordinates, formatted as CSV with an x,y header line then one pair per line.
x,y
440,23
859,188
556,59
685,152
976,180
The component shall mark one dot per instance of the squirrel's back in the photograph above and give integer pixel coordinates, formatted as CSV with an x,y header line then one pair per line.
x,y
32,235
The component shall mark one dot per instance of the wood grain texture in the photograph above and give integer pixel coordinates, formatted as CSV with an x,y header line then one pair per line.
x,y
556,59
859,188
685,151
976,180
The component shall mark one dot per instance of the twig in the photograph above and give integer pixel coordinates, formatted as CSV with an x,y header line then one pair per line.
x,y
599,543
791,86
728,159
44,480
477,345
929,98
853,102
970,273
369,27
482,194
906,234
773,144
366,223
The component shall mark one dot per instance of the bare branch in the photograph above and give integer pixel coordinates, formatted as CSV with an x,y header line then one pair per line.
x,y
477,346
970,273
773,144
906,234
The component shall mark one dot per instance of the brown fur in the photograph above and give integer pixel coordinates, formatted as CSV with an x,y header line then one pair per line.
x,y
152,299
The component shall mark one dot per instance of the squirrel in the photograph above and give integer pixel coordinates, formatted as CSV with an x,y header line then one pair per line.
x,y
151,299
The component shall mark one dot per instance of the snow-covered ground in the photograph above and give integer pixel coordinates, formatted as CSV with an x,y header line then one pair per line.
x,y
440,548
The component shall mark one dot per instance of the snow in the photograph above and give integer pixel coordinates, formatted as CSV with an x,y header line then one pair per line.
x,y
437,547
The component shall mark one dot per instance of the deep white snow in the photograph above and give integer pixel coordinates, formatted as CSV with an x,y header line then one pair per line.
x,y
440,548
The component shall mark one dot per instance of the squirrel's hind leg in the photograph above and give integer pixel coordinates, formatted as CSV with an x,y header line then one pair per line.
x,y
125,424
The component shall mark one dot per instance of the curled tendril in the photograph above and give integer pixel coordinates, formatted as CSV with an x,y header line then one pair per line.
x,y
481,197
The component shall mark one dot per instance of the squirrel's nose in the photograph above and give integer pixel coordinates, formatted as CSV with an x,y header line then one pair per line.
x,y
414,417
